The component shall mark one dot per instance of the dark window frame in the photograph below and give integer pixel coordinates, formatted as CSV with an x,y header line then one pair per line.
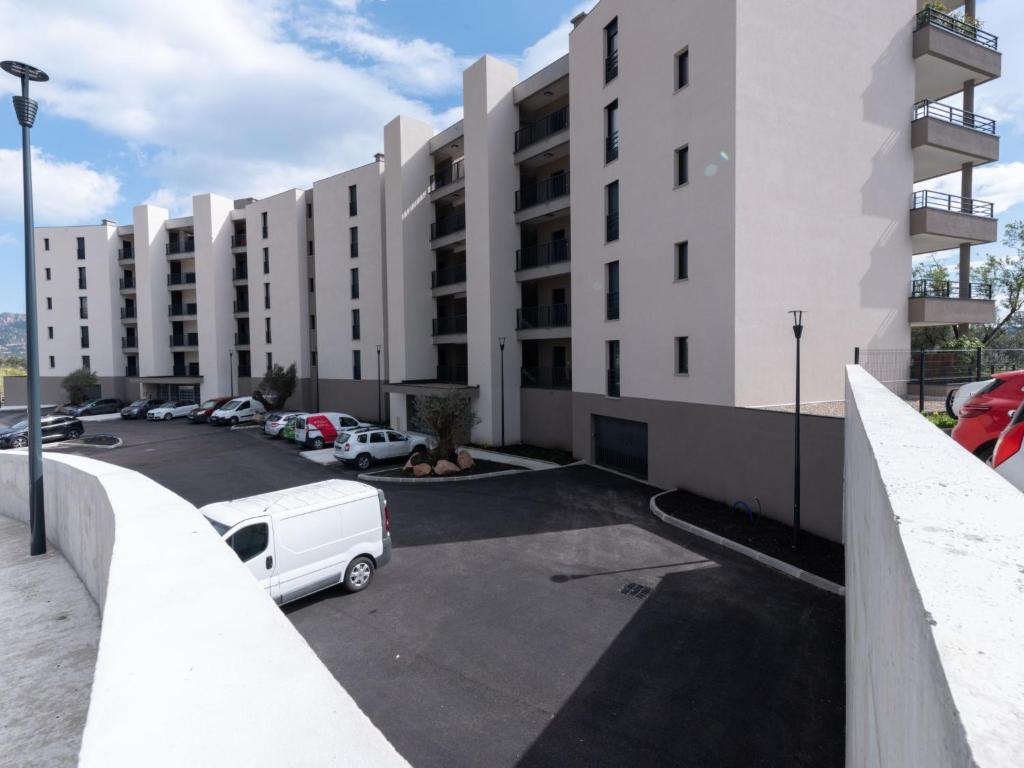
x,y
682,166
682,260
682,68
682,355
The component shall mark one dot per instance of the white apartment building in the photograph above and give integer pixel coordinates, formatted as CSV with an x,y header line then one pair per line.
x,y
601,256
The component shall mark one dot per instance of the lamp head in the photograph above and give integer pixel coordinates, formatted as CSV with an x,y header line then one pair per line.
x,y
798,322
501,342
26,71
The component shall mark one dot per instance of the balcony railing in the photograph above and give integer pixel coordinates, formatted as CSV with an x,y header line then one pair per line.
x,y
126,283
448,225
81,254
611,305
240,273
181,309
948,289
181,246
182,278
954,116
453,374
131,371
191,369
448,276
446,326
125,254
550,188
612,379
185,340
238,241
611,67
542,254
930,17
355,331
545,316
241,306
542,128
129,342
611,227
244,371
241,339
942,201
454,172
611,147
536,377
128,313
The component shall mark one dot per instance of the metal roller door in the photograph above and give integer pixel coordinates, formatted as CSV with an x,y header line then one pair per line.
x,y
621,444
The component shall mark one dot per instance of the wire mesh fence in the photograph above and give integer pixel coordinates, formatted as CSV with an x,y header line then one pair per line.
x,y
925,377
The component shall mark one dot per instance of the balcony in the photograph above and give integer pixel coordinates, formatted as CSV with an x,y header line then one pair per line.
x,y
131,371
241,339
449,326
129,342
537,377
128,314
542,135
949,51
453,374
182,249
944,138
125,254
191,370
545,316
238,241
540,199
182,278
448,226
241,307
448,276
612,382
611,147
184,340
127,283
611,66
240,273
939,221
938,302
448,181
542,255
181,310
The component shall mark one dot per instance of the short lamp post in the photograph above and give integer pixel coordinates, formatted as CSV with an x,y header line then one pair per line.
x,y
380,399
231,371
26,109
798,331
501,349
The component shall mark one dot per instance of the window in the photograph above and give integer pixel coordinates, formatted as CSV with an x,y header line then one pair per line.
x,y
352,201
312,285
85,336
80,247
611,198
682,166
611,131
683,260
49,302
266,261
312,358
377,437
355,323
83,307
270,361
357,365
46,243
81,278
266,322
353,241
49,331
355,283
312,322
611,50
682,354
86,362
612,290
309,210
47,273
53,363
613,368
266,295
251,541
263,221
683,68
309,247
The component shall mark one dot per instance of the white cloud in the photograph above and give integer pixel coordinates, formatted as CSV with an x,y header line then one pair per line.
x,y
1001,184
1003,99
63,192
552,46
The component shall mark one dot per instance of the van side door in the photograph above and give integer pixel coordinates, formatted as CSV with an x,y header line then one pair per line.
x,y
253,542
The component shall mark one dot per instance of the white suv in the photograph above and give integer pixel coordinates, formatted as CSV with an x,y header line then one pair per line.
x,y
366,445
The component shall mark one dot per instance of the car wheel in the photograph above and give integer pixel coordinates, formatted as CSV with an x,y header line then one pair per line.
x,y
419,449
167,417
73,434
359,574
234,421
949,403
318,443
19,442
985,451
363,461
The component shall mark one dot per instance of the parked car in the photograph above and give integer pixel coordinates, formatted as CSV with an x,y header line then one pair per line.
x,y
95,407
139,408
302,540
275,421
315,430
985,415
237,411
55,427
206,408
172,409
1008,458
367,445
288,431
956,398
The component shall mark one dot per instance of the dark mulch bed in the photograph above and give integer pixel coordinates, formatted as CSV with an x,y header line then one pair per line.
x,y
480,467
553,455
814,554
107,440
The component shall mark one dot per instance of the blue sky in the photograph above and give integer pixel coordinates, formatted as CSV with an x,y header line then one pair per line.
x,y
153,102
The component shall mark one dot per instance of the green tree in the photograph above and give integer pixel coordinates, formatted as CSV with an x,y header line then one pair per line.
x,y
278,385
1006,276
80,385
449,417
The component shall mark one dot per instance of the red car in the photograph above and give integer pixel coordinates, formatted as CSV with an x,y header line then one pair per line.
x,y
985,416
201,415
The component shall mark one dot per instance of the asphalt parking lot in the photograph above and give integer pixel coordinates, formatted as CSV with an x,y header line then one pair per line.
x,y
499,634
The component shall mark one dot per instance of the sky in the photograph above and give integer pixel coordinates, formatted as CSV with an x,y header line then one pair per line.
x,y
156,101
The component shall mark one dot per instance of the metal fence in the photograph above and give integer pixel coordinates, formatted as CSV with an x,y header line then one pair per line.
x,y
925,377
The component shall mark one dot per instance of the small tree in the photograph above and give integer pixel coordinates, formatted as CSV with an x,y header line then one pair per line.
x,y
278,385
1006,276
450,418
80,385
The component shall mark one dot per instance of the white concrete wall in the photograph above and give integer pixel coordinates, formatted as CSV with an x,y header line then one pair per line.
x,y
196,665
152,297
934,597
214,291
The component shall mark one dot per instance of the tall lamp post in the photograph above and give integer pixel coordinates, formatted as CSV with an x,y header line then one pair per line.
x,y
25,109
231,371
798,331
380,403
501,347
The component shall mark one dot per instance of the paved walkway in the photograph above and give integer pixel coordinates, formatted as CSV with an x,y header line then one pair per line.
x,y
49,634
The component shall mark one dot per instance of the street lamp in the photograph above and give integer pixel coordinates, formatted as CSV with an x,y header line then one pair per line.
x,y
231,371
798,331
501,346
380,407
25,109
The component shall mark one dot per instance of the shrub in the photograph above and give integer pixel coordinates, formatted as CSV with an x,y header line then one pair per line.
x,y
80,385
450,418
277,386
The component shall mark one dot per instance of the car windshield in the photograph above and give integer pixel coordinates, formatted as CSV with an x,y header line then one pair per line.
x,y
232,406
19,425
137,403
220,528
209,404
167,405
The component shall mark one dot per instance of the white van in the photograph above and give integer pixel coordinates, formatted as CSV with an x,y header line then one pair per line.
x,y
236,411
301,540
319,430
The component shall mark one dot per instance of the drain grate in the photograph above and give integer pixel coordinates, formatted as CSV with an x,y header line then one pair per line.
x,y
632,589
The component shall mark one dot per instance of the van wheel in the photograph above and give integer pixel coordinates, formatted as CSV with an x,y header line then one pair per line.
x,y
363,461
359,574
168,417
318,443
234,421
73,434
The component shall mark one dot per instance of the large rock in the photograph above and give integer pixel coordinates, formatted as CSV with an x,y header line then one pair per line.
x,y
409,466
421,470
445,467
464,460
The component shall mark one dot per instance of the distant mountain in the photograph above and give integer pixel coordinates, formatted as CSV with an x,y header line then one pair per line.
x,y
12,335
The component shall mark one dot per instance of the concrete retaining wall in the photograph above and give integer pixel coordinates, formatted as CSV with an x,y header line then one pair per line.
x,y
934,594
196,665
547,417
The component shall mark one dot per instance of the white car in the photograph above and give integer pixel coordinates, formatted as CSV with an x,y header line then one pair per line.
x,y
1008,458
237,411
962,394
364,446
276,421
172,409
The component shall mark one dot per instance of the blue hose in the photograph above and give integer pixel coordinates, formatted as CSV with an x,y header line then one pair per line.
x,y
746,507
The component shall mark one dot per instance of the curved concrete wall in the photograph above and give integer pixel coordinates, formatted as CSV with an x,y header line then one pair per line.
x,y
196,665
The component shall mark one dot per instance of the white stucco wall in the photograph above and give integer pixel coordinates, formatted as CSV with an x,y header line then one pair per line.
x,y
934,597
152,297
214,291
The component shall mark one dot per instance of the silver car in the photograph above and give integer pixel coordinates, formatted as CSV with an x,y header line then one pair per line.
x,y
278,420
366,445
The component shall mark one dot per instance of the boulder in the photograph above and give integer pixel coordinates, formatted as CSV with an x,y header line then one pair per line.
x,y
409,466
464,460
445,467
421,470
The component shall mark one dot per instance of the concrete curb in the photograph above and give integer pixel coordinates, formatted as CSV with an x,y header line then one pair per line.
x,y
465,478
101,417
753,554
237,427
508,458
75,444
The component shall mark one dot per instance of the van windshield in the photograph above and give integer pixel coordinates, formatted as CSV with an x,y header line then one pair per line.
x,y
220,528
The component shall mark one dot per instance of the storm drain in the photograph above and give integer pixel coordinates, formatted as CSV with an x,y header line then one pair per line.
x,y
632,589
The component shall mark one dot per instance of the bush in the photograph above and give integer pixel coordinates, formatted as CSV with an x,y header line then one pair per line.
x,y
450,418
277,386
941,420
80,385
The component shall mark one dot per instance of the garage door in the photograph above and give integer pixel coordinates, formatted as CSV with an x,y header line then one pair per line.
x,y
621,444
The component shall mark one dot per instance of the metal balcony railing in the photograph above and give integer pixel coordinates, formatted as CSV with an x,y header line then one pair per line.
x,y
448,225
240,273
538,377
550,188
948,289
244,371
128,313
238,241
942,201
185,340
446,326
930,17
453,374
127,283
241,339
611,147
174,310
540,129
181,246
449,175
448,276
125,254
611,67
241,306
542,254
954,116
129,342
131,371
545,316
613,382
182,278
611,305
